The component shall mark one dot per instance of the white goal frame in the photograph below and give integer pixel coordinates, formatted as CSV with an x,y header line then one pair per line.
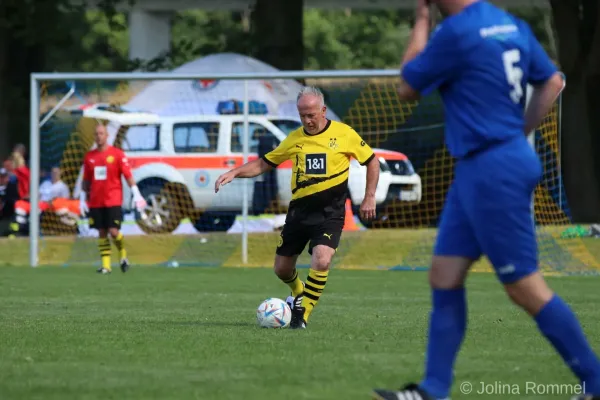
x,y
36,124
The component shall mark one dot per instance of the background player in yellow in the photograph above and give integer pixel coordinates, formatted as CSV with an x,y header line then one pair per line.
x,y
321,151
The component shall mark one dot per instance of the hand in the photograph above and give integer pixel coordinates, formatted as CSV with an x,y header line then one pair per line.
x,y
139,203
422,10
224,180
138,200
367,208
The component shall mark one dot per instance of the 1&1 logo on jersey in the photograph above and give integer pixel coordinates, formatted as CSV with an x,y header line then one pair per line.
x,y
316,164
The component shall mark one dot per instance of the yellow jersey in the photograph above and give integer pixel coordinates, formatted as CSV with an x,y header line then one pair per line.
x,y
321,163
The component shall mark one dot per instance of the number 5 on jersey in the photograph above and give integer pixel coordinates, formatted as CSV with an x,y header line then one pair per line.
x,y
514,74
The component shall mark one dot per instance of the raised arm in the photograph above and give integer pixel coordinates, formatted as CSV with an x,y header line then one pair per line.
x,y
429,61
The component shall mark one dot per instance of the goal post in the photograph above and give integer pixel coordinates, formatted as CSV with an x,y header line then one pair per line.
x,y
180,130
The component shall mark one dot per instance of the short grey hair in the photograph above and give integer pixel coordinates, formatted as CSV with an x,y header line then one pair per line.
x,y
311,91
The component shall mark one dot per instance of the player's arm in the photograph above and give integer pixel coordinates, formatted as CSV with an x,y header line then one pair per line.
x,y
252,169
416,45
363,153
429,64
138,199
547,84
256,167
85,186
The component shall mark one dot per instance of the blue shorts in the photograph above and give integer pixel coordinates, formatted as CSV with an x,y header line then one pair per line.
x,y
488,210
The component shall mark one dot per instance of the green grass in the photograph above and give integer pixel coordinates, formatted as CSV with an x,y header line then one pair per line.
x,y
190,333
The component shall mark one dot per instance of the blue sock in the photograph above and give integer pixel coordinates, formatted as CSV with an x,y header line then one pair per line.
x,y
447,325
560,326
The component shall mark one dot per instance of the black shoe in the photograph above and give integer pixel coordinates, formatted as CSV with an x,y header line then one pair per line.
x,y
103,271
124,265
297,321
410,392
290,299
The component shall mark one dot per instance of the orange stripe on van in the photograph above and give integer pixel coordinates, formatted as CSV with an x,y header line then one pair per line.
x,y
391,155
195,162
225,162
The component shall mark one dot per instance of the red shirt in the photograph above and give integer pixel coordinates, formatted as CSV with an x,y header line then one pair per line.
x,y
23,176
103,169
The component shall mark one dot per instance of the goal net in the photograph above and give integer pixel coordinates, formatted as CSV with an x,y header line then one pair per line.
x,y
180,135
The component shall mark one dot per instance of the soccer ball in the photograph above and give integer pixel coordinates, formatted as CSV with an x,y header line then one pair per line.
x,y
273,313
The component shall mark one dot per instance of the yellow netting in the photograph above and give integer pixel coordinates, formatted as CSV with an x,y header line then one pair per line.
x,y
184,226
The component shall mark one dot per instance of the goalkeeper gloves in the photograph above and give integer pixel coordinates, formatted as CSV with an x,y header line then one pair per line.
x,y
83,208
138,199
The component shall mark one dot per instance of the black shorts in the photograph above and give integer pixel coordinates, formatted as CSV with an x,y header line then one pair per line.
x,y
296,235
106,217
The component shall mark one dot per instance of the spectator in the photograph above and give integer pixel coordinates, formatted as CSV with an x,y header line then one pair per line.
x,y
22,173
21,149
54,188
8,198
44,176
9,166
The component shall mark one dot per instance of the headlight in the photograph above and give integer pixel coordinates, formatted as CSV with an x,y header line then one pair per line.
x,y
400,167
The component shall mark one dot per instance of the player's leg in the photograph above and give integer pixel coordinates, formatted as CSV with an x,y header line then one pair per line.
x,y
291,243
317,278
115,220
98,221
455,251
511,247
324,240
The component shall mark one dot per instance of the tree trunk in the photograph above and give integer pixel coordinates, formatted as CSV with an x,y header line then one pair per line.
x,y
4,103
277,27
578,42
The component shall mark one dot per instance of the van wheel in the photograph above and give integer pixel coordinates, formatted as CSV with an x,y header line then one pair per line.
x,y
162,214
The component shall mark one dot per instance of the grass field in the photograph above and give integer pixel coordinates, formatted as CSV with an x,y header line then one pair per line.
x,y
190,333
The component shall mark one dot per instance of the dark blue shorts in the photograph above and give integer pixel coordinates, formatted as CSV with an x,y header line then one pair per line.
x,y
488,210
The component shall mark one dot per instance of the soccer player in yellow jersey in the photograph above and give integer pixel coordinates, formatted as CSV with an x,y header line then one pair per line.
x,y
320,151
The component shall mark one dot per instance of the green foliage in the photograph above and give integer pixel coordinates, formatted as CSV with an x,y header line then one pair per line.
x,y
97,40
333,39
339,40
197,33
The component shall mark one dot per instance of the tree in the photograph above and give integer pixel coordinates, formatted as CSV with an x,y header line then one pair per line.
x,y
36,36
577,24
354,40
277,27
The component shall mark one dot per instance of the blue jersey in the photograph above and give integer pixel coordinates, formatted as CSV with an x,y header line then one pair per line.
x,y
481,60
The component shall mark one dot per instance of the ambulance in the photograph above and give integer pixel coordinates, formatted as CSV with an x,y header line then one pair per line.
x,y
176,160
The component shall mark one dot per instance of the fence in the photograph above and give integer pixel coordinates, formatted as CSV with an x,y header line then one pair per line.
x,y
180,132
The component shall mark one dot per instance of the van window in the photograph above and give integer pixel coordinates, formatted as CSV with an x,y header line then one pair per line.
x,y
142,138
256,132
196,137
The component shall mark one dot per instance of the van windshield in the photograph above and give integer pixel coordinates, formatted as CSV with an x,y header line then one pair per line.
x,y
286,125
